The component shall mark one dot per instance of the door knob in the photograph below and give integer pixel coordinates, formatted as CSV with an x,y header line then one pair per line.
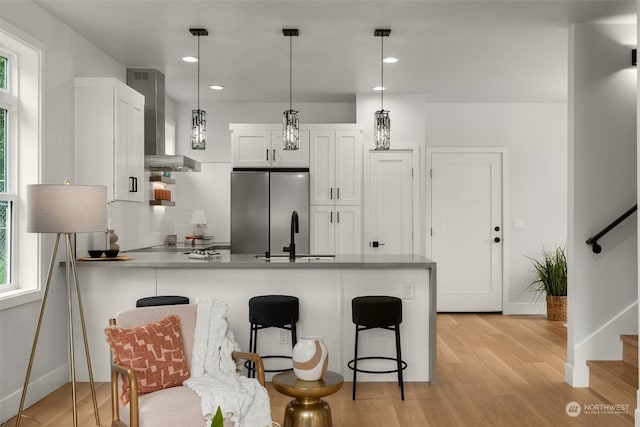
x,y
497,240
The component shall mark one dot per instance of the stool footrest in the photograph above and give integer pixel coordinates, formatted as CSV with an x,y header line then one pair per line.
x,y
351,362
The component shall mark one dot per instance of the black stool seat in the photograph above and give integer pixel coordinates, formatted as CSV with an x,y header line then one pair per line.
x,y
376,311
371,312
271,311
162,300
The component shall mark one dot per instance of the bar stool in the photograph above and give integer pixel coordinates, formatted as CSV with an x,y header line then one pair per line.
x,y
371,312
271,311
162,300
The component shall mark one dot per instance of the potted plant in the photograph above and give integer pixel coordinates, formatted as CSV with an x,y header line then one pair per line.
x,y
551,280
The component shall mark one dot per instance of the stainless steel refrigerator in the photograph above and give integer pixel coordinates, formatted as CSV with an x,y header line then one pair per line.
x,y
261,207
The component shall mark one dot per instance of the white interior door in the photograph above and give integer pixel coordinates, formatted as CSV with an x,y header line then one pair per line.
x,y
390,187
467,230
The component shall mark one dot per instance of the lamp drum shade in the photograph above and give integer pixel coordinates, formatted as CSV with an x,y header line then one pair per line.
x,y
198,217
58,208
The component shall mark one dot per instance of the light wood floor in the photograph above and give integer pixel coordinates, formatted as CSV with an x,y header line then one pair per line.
x,y
493,371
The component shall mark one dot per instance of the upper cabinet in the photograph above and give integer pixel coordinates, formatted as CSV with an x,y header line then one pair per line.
x,y
260,146
109,137
336,167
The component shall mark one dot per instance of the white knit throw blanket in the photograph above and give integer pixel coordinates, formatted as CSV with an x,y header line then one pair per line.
x,y
213,371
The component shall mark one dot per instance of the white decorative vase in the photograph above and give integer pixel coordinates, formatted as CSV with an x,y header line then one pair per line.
x,y
310,358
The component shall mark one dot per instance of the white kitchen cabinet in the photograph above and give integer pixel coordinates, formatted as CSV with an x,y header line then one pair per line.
x,y
335,167
109,137
335,229
260,146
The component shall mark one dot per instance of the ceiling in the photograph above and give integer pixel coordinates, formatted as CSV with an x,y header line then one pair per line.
x,y
450,50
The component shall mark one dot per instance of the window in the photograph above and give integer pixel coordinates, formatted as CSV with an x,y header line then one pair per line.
x,y
8,103
20,133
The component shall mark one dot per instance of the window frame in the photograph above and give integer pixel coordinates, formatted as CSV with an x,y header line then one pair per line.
x,y
10,101
24,154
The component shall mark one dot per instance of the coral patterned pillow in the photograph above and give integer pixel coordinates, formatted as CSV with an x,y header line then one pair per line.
x,y
155,353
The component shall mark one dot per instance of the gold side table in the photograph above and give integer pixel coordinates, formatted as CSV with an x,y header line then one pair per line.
x,y
307,409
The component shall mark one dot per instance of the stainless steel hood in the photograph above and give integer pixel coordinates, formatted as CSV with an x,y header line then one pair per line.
x,y
150,83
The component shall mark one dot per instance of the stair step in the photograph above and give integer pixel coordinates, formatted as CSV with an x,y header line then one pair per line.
x,y
630,349
614,380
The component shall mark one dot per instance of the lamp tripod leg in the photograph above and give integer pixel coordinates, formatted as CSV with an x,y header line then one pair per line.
x,y
84,330
43,304
71,349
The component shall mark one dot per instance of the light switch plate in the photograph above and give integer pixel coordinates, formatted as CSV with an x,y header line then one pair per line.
x,y
407,290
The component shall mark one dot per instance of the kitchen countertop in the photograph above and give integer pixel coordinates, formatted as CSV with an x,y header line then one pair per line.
x,y
178,259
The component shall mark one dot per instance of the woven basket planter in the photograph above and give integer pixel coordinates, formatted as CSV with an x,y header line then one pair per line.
x,y
556,308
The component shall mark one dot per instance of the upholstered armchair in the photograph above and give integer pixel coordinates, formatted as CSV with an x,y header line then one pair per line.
x,y
170,407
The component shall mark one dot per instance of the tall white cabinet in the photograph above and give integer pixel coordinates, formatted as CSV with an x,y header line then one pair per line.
x,y
335,170
109,137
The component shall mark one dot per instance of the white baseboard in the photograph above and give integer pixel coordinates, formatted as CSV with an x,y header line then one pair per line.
x,y
524,308
576,376
602,344
37,390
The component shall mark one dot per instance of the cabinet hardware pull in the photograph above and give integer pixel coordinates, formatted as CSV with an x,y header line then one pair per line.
x,y
267,154
331,217
338,214
331,193
338,191
274,154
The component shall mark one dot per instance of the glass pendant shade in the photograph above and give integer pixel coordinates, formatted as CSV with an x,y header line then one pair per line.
x,y
198,129
198,116
290,130
381,120
382,130
290,123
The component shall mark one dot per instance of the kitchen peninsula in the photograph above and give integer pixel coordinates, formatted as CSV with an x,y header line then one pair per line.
x,y
324,285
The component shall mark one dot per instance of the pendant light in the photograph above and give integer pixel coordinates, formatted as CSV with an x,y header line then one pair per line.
x,y
290,124
198,116
382,122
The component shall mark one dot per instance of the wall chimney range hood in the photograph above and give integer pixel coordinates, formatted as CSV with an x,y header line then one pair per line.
x,y
150,83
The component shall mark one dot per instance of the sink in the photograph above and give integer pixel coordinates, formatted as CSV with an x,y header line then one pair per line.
x,y
317,257
284,258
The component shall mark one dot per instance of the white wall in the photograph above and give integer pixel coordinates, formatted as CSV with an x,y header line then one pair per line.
x,y
536,138
210,189
602,185
66,56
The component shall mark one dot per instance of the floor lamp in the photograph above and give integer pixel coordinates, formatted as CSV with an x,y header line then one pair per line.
x,y
65,210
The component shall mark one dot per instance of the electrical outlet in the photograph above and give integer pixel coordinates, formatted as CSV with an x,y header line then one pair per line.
x,y
284,336
407,290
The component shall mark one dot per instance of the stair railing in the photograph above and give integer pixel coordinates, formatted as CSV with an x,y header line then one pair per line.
x,y
593,241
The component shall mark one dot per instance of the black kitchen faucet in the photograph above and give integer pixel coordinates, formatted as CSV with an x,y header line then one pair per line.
x,y
295,228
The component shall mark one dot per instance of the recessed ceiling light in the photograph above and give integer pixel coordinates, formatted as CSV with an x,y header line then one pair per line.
x,y
390,60
216,87
190,59
378,88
